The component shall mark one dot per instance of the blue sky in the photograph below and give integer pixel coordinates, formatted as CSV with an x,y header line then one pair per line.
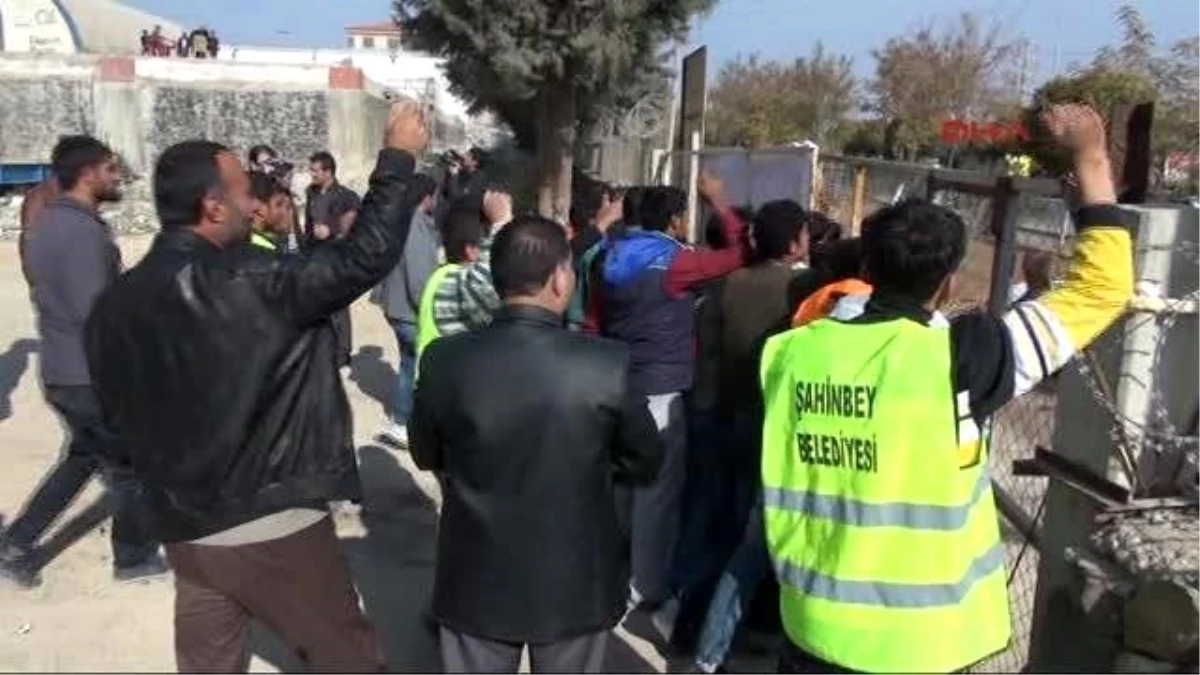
x,y
1060,30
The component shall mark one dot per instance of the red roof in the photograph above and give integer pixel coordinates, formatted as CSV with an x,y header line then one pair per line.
x,y
383,27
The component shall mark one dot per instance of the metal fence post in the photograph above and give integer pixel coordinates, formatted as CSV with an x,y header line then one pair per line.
x,y
1006,204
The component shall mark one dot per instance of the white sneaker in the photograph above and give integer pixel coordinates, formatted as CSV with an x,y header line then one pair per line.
x,y
395,435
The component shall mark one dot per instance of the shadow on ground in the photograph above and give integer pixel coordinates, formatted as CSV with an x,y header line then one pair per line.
x,y
392,566
375,377
13,363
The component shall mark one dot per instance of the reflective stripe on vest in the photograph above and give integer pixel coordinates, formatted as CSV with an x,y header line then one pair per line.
x,y
263,241
427,330
886,547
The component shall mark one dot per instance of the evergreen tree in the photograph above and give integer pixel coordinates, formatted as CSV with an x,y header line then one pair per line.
x,y
545,66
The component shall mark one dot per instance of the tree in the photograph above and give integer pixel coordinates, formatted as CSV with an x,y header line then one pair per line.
x,y
547,65
1128,73
928,76
758,103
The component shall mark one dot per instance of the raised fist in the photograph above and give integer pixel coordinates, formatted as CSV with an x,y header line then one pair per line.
x,y
1075,126
497,207
406,127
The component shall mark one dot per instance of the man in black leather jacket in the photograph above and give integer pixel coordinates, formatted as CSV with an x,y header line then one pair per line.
x,y
216,367
529,426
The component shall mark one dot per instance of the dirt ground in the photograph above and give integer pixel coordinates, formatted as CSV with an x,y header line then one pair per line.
x,y
81,620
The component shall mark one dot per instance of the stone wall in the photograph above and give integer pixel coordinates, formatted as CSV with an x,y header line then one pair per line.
x,y
141,106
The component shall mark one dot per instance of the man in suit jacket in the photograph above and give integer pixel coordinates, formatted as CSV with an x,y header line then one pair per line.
x,y
530,426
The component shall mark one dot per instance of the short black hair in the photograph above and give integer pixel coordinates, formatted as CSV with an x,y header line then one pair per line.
x,y
822,229
252,156
660,206
842,259
184,175
463,228
263,186
631,204
525,254
423,186
73,154
777,225
324,160
911,247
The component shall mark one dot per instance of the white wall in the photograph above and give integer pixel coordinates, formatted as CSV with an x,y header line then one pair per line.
x,y
402,71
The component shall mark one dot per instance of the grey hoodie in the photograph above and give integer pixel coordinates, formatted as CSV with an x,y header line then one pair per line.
x,y
400,293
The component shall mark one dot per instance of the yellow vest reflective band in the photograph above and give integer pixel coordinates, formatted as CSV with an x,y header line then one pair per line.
x,y
262,241
427,330
888,553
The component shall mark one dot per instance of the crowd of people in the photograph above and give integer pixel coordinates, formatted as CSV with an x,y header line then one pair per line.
x,y
201,43
623,425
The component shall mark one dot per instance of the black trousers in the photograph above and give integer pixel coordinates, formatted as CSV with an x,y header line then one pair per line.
x,y
88,450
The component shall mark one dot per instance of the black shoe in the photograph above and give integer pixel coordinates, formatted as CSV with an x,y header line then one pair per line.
x,y
149,569
16,568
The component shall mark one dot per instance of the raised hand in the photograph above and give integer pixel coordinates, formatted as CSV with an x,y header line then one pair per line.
x,y
406,128
1075,126
497,207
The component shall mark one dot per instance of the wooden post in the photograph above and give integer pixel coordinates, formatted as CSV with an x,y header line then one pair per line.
x,y
858,206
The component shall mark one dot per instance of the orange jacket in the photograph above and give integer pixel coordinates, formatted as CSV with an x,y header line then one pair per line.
x,y
821,303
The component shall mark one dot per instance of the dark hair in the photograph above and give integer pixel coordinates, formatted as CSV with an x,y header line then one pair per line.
x,y
911,247
631,204
841,259
184,175
463,228
252,156
263,187
525,254
73,154
714,229
777,225
324,160
660,206
423,186
822,230
823,233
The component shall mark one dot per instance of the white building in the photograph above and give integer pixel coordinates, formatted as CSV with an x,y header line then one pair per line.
x,y
376,50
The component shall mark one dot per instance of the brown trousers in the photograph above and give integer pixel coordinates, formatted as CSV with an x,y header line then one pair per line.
x,y
298,586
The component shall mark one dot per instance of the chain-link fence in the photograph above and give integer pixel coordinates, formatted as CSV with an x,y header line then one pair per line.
x,y
852,189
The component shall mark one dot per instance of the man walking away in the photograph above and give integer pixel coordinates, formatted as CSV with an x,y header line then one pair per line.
x,y
463,236
647,302
529,425
752,304
71,258
330,209
400,296
880,519
218,365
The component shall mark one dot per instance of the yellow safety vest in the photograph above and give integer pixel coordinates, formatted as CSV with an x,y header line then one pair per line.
x,y
427,330
885,542
263,241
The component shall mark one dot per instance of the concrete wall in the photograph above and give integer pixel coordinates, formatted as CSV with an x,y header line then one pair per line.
x,y
141,106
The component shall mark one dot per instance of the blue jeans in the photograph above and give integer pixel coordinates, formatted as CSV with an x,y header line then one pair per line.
x,y
747,569
699,555
406,337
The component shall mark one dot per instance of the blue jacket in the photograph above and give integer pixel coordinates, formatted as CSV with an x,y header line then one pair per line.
x,y
639,312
